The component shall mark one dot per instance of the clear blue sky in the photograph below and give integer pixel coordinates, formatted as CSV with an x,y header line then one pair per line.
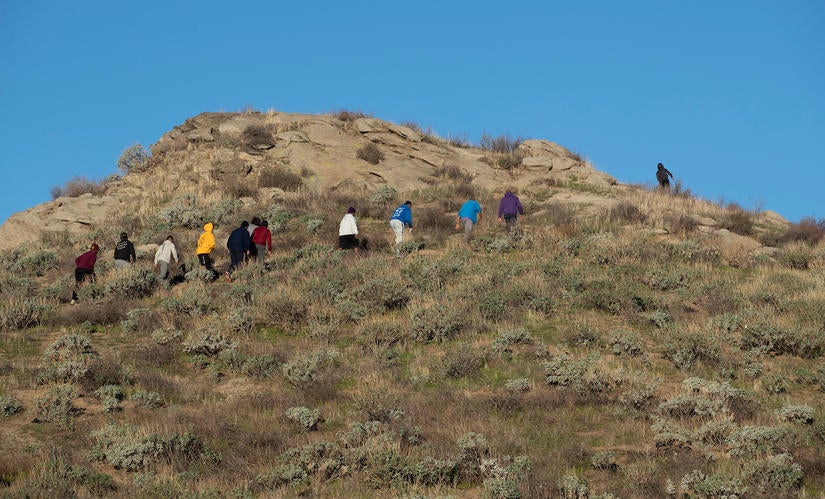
x,y
729,95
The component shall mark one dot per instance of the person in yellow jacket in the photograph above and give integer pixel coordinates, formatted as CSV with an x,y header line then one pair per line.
x,y
206,243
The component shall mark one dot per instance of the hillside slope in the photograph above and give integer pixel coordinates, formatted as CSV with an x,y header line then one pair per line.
x,y
624,341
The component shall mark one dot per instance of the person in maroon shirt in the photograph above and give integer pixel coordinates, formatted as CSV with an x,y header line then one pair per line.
x,y
262,239
84,269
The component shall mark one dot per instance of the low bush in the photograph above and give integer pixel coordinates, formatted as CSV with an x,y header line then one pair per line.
x,y
434,323
208,344
110,396
307,419
281,178
78,186
134,158
686,350
774,475
56,406
370,153
121,447
808,230
258,137
501,144
131,283
306,370
9,406
21,312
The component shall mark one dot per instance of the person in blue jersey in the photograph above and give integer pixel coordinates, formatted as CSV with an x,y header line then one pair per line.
x,y
469,215
401,217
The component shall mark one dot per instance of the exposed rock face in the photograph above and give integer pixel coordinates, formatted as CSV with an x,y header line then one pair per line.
x,y
211,150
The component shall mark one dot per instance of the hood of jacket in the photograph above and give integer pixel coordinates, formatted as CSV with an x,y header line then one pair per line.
x,y
208,227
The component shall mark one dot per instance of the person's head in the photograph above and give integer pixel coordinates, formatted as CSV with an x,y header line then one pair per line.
x,y
170,239
256,221
244,224
94,247
208,226
408,203
124,236
264,224
660,166
351,210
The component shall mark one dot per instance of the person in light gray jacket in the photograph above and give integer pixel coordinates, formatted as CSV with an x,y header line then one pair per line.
x,y
164,254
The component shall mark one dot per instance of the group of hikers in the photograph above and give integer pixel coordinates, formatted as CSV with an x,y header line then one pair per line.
x,y
253,241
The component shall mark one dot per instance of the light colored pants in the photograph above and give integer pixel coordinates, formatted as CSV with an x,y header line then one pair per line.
x,y
163,269
397,226
261,248
468,227
119,264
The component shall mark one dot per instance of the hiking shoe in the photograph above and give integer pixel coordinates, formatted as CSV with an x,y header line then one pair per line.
x,y
228,277
73,302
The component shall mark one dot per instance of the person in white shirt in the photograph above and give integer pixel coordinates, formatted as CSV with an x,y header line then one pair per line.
x,y
348,231
164,255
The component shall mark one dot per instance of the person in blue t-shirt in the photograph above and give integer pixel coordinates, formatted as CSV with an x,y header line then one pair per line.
x,y
469,215
400,217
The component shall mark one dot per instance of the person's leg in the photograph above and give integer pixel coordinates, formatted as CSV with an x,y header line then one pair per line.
x,y
163,270
468,228
510,223
261,253
119,264
397,227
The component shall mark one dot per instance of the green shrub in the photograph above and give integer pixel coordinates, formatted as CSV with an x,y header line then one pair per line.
x,y
771,339
461,361
604,460
110,395
579,374
133,282
9,406
796,414
383,196
134,158
751,439
686,350
55,406
625,342
305,370
122,448
775,474
21,312
506,339
307,419
261,366
517,385
146,399
434,323
35,264
572,487
370,153
713,486
208,344
775,384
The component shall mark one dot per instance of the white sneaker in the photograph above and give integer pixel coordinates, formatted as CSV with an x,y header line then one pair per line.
x,y
73,302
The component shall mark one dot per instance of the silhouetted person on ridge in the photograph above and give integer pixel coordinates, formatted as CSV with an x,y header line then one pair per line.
x,y
662,175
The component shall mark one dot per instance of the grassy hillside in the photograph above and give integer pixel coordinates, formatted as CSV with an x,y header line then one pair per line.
x,y
591,355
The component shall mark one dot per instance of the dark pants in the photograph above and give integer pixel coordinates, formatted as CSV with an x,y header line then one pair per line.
x,y
348,242
80,276
237,259
205,260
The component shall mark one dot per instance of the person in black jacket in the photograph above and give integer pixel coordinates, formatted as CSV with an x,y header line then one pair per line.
x,y
238,245
662,175
124,251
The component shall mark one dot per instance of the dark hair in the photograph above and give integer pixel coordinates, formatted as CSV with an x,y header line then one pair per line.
x,y
408,202
244,224
124,235
351,210
256,221
264,224
169,237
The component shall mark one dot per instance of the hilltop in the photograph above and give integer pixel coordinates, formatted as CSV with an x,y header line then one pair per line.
x,y
625,342
265,158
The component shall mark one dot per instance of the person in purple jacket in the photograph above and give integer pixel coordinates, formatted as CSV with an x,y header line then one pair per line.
x,y
84,269
509,209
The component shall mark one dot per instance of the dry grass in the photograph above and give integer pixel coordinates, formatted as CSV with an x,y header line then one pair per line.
x,y
618,318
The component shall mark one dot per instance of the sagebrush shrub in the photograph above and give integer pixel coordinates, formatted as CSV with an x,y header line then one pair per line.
x,y
775,474
134,158
686,350
9,406
132,282
434,323
797,414
146,399
21,312
208,344
307,419
305,370
370,153
110,396
56,405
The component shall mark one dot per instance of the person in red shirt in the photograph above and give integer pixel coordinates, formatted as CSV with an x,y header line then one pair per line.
x,y
84,269
262,239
